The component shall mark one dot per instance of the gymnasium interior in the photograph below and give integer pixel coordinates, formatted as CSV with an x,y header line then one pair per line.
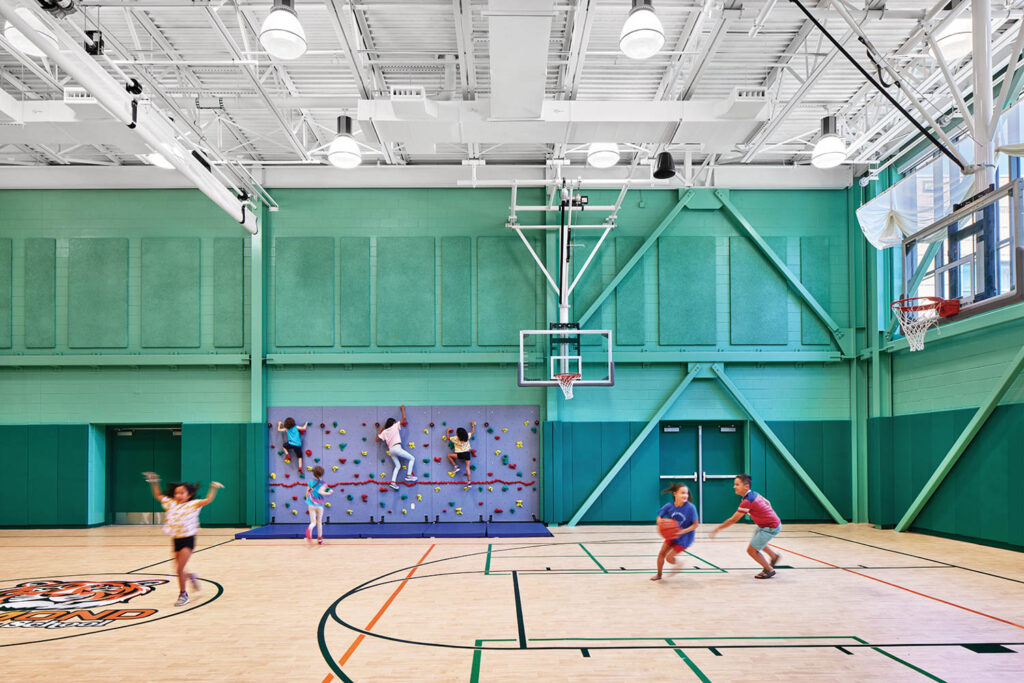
x,y
624,244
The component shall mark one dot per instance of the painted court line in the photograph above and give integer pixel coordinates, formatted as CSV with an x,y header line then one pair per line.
x,y
376,617
896,585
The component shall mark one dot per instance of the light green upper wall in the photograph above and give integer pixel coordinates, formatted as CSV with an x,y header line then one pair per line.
x,y
960,372
455,280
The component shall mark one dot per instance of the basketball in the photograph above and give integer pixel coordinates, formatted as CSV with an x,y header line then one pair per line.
x,y
667,528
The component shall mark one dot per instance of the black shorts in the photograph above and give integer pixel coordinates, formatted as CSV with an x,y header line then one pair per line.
x,y
295,451
465,455
187,542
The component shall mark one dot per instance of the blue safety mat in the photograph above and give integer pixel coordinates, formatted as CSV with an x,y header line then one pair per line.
x,y
516,530
403,530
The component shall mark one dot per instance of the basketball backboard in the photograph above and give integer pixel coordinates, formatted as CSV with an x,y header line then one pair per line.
x,y
972,255
544,354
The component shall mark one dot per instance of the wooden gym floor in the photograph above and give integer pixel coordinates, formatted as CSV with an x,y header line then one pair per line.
x,y
851,603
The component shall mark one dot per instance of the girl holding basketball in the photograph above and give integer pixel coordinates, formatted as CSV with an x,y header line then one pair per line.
x,y
677,522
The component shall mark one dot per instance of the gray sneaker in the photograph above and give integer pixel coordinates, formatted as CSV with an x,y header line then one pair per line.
x,y
193,580
393,485
182,600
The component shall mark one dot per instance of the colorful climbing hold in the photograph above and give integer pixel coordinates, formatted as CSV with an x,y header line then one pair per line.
x,y
436,489
458,511
519,444
431,424
342,460
318,459
348,497
403,511
519,503
295,512
309,452
334,468
273,505
426,431
490,488
504,429
273,475
419,496
404,497
327,431
526,423
451,503
498,510
348,511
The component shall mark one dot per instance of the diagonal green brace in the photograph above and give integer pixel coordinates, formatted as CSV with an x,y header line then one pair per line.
x,y
962,442
915,282
628,453
780,265
651,240
770,435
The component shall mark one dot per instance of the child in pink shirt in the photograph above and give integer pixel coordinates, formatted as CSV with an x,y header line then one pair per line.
x,y
392,437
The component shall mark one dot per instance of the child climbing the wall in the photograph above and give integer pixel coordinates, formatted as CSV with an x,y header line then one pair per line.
x,y
181,522
678,524
461,449
316,491
293,440
392,437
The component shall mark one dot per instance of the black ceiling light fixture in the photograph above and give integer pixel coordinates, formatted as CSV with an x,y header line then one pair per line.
x,y
664,166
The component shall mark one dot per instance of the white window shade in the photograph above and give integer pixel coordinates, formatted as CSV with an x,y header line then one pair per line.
x,y
917,201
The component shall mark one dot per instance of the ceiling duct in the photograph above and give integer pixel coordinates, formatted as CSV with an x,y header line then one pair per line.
x,y
130,115
519,36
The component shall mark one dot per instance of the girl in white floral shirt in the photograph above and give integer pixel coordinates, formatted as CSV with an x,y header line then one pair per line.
x,y
181,522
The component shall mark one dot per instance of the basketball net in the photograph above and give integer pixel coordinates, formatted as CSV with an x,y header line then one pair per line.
x,y
566,380
916,316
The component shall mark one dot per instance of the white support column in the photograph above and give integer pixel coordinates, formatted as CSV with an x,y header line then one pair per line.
x,y
984,157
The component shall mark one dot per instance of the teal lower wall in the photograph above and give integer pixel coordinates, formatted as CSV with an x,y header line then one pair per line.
x,y
978,498
56,475
47,472
578,454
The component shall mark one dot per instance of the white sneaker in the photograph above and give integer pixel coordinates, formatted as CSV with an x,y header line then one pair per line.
x,y
393,485
409,477
182,600
193,580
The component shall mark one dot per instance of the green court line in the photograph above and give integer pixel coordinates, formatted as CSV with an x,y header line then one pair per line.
x,y
703,560
689,662
593,558
904,663
487,567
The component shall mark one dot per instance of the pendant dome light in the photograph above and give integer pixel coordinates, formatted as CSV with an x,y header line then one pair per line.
x,y
344,151
664,166
281,34
21,42
642,33
830,150
603,154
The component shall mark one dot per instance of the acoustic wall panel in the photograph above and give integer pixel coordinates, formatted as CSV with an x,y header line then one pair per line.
x,y
228,292
40,293
355,291
170,292
98,292
304,291
406,300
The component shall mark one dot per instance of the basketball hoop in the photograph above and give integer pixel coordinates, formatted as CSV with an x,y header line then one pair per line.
x,y
566,380
917,314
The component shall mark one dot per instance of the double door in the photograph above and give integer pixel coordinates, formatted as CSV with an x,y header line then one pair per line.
x,y
132,451
706,456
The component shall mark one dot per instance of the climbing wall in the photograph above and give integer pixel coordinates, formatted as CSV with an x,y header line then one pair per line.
x,y
504,467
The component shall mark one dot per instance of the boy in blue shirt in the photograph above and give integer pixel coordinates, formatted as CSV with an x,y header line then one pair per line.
x,y
682,512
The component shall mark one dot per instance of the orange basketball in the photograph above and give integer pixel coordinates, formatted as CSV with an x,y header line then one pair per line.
x,y
667,528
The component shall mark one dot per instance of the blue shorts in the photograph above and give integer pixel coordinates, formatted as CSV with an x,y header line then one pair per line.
x,y
764,535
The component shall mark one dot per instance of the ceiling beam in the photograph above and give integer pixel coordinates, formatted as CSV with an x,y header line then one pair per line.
x,y
229,41
462,9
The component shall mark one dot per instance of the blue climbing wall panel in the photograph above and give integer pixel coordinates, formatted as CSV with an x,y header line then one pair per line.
x,y
504,468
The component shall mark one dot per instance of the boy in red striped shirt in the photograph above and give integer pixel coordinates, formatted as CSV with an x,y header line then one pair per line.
x,y
764,518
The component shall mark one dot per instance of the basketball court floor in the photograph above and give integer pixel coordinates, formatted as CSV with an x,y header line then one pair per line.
x,y
851,602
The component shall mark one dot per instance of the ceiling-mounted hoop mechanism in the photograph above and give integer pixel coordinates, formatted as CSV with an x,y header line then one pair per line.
x,y
133,87
243,197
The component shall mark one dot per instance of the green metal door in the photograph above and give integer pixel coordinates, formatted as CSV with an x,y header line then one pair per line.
x,y
680,457
133,451
722,455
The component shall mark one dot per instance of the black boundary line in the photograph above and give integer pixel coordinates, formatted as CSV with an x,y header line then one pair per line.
x,y
220,591
194,552
920,557
519,611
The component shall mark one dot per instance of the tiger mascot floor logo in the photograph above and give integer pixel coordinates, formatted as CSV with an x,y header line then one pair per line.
x,y
48,608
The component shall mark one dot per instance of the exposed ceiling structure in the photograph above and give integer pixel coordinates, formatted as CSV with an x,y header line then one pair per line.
x,y
457,91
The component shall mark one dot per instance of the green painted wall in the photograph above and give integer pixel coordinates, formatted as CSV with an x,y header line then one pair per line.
x,y
132,281
579,454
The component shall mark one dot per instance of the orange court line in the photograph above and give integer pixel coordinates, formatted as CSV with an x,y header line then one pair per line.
x,y
895,585
380,613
